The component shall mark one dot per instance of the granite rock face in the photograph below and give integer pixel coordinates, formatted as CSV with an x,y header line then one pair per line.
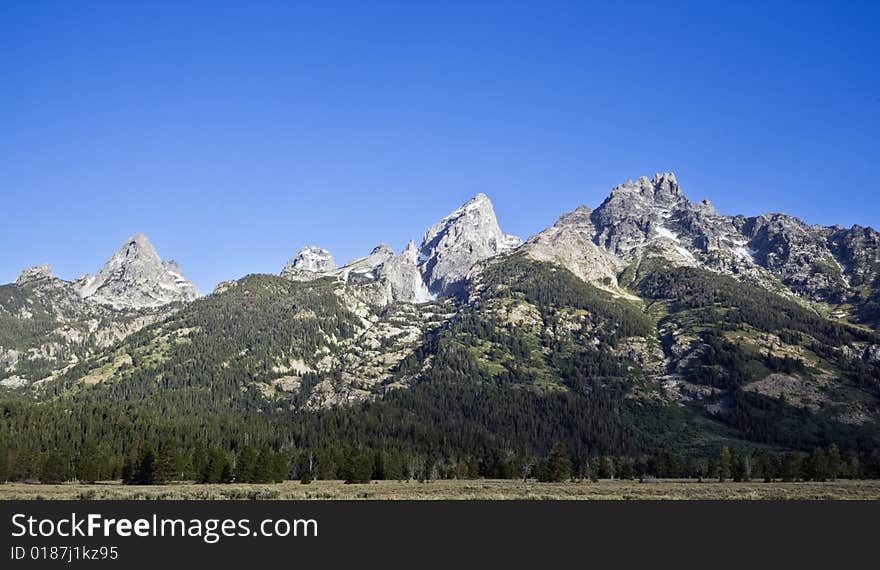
x,y
569,242
655,215
401,279
379,278
34,274
135,277
450,250
653,218
452,246
308,264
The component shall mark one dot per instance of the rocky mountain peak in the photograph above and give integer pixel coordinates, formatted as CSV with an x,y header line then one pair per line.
x,y
382,250
452,246
411,251
665,184
569,243
35,273
578,218
135,277
663,188
309,260
400,280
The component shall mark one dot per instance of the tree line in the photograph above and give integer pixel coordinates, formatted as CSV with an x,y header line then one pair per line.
x,y
166,463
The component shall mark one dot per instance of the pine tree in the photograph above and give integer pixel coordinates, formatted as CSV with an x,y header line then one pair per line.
x,y
817,466
145,471
246,465
264,470
558,466
129,470
4,463
605,468
835,464
626,469
87,467
724,464
358,467
167,463
712,468
280,467
791,467
54,469
392,466
217,468
853,467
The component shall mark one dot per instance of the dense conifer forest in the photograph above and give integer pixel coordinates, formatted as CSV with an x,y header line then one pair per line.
x,y
535,376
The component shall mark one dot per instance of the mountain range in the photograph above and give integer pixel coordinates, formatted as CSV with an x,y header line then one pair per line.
x,y
674,324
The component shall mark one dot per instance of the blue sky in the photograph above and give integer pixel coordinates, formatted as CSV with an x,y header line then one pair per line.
x,y
234,133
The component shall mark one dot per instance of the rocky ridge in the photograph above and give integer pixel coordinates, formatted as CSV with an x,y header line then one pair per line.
x,y
52,324
135,277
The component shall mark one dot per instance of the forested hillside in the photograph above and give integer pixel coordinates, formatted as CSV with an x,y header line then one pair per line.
x,y
532,369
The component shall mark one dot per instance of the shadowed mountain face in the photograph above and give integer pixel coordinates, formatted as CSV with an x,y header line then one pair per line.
x,y
649,322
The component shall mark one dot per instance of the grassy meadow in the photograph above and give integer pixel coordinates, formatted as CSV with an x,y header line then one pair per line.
x,y
487,489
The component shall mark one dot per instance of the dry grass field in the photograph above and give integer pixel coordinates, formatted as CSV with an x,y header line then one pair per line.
x,y
457,490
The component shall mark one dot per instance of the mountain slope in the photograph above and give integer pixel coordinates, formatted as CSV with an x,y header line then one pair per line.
x,y
48,324
651,325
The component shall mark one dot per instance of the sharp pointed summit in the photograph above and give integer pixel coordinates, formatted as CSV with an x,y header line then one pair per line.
x,y
452,246
135,277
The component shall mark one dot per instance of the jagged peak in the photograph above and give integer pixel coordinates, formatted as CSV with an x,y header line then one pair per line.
x,y
480,202
580,216
136,277
35,273
382,249
311,258
140,240
452,246
661,178
662,185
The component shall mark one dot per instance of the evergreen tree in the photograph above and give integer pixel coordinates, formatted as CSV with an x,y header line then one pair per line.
x,y
129,470
854,469
558,465
817,466
264,470
392,466
712,468
724,464
217,468
168,461
764,468
54,469
246,465
145,471
358,467
835,463
4,463
791,466
280,467
605,468
88,465
626,469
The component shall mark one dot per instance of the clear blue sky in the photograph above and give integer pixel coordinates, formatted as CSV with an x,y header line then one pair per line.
x,y
234,133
